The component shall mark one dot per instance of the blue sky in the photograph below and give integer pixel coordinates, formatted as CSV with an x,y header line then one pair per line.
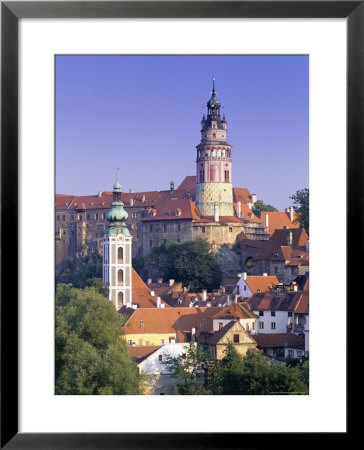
x,y
142,114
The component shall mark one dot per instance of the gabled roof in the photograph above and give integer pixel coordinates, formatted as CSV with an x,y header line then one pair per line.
x,y
273,301
140,353
303,303
170,320
242,195
258,283
141,293
269,340
279,219
174,209
276,248
235,311
234,325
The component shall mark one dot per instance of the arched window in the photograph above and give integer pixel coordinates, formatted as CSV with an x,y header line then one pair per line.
x,y
120,276
214,135
202,176
120,254
120,299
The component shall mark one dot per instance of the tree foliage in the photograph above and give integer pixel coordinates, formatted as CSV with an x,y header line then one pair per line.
x,y
191,262
190,367
301,200
260,207
79,270
91,356
236,375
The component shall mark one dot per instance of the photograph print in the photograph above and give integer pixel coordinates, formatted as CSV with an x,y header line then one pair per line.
x,y
182,225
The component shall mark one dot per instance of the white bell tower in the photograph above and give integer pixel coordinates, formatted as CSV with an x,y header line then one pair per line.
x,y
117,255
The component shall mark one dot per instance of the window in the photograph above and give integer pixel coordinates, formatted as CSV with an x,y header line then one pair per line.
x,y
261,313
290,352
253,326
236,338
150,243
273,325
120,254
80,217
72,217
178,227
164,241
202,176
160,357
162,342
226,176
272,313
299,352
289,313
130,341
57,217
120,276
244,287
141,324
151,228
220,325
96,216
203,229
247,327
164,228
88,216
261,325
103,216
63,217
230,229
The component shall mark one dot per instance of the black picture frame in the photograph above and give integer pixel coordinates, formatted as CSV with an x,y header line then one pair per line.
x,y
11,12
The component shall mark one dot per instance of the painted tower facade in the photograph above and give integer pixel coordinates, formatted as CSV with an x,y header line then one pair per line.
x,y
117,253
214,190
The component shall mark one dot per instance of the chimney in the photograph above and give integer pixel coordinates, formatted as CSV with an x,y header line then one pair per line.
x,y
239,275
131,202
171,282
160,280
204,295
193,334
99,194
143,198
190,305
307,246
149,281
131,191
158,302
289,238
244,276
134,306
162,305
266,220
223,289
171,185
208,305
219,292
239,210
291,218
216,212
265,274
236,298
250,205
152,293
254,198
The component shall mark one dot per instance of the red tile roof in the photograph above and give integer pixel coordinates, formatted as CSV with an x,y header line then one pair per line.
x,y
139,353
236,310
276,249
141,293
270,340
174,209
278,220
303,303
170,320
261,283
242,195
273,301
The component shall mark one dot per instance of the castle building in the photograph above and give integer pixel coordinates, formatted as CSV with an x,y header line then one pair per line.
x,y
117,253
205,205
214,190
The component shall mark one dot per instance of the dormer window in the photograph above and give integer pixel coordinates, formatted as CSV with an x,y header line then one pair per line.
x,y
141,324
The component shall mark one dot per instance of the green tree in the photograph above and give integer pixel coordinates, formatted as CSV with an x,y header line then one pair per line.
x,y
191,262
301,200
91,355
190,368
79,270
260,207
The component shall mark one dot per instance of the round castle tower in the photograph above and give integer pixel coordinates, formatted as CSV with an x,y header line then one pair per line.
x,y
117,269
214,190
